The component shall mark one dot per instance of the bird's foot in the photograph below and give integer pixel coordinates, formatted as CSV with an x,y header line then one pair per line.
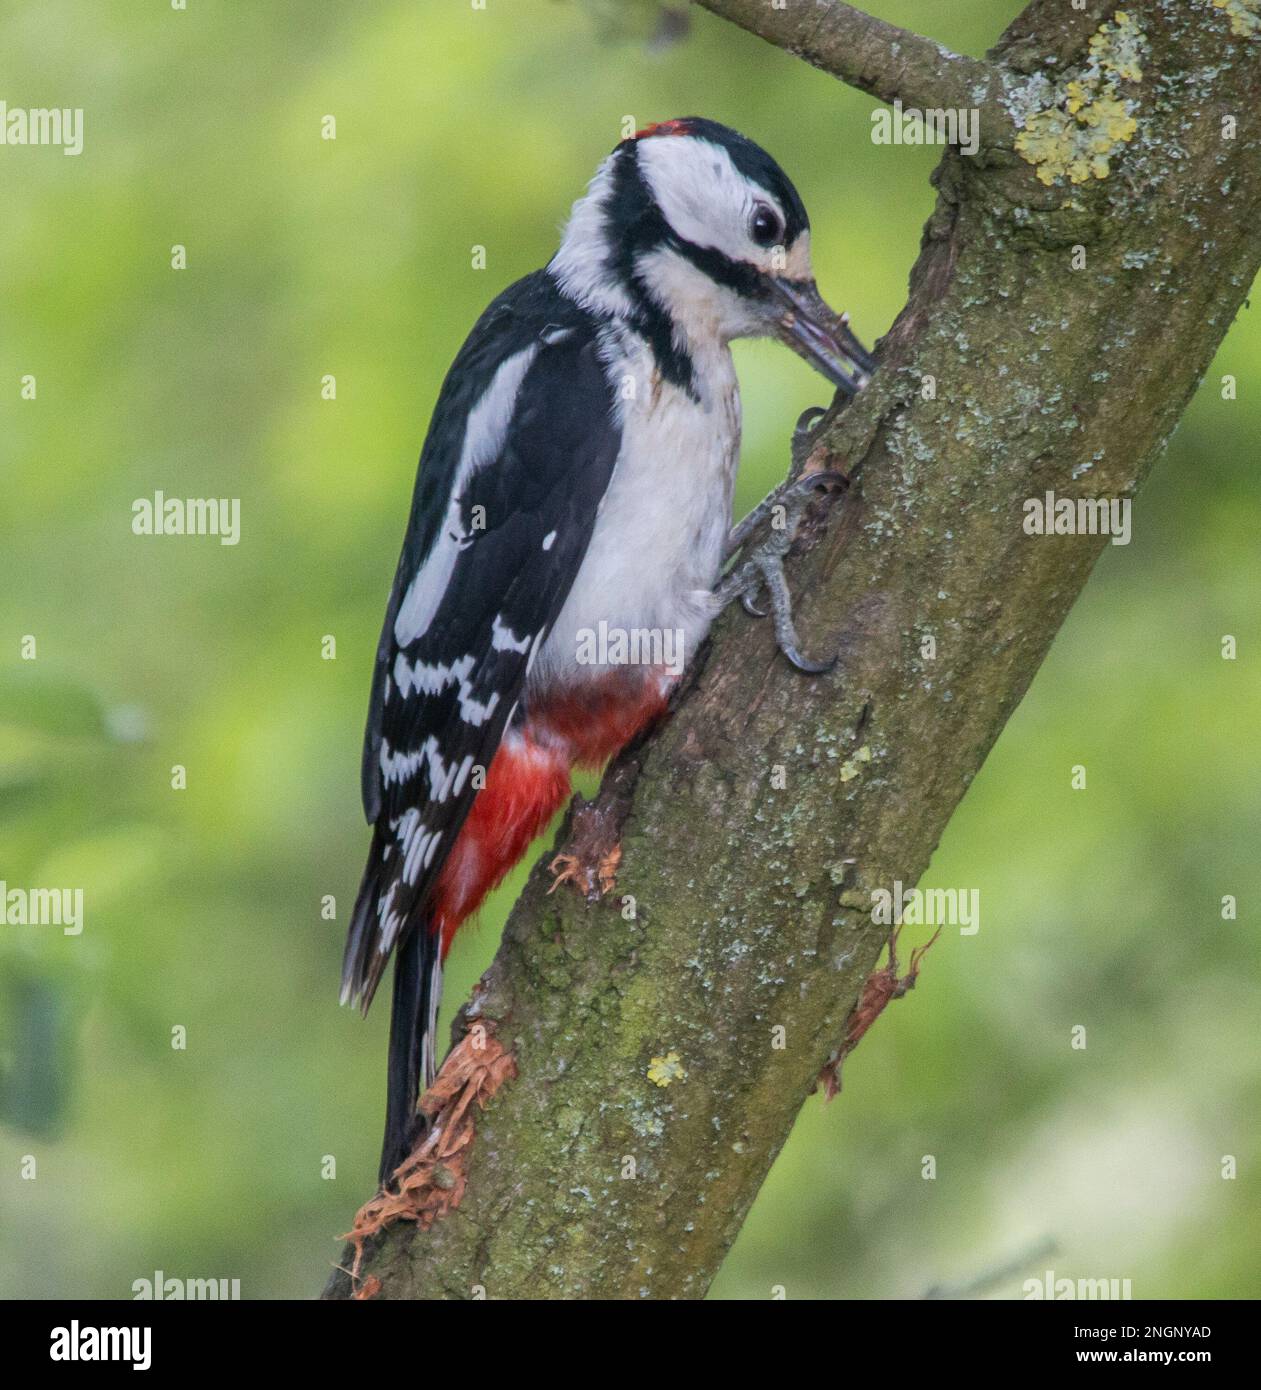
x,y
763,566
782,495
606,870
802,442
592,879
593,856
567,868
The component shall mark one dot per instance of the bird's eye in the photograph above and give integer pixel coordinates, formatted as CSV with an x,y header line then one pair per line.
x,y
764,226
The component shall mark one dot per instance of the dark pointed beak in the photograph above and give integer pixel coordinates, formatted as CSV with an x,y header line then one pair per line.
x,y
820,335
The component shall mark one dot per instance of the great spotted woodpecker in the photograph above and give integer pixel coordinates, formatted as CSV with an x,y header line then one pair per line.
x,y
577,478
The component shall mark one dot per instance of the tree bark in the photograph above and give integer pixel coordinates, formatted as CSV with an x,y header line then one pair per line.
x,y
1054,333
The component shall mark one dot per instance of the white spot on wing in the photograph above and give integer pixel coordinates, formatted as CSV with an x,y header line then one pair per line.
x,y
433,678
474,711
390,921
462,775
503,639
411,865
400,766
484,432
429,678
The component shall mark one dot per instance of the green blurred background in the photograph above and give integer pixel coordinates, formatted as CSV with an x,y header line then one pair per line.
x,y
457,128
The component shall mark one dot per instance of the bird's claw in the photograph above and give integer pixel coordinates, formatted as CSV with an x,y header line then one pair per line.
x,y
799,489
802,438
764,566
746,602
792,496
806,664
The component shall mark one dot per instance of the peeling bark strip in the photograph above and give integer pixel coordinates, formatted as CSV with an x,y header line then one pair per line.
x,y
881,986
431,1182
1053,335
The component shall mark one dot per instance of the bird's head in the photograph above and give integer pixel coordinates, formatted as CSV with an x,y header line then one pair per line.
x,y
690,222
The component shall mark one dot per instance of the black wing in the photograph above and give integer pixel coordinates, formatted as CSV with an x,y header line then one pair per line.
x,y
518,457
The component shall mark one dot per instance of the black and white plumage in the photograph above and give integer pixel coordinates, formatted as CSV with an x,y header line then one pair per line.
x,y
520,451
524,431
578,471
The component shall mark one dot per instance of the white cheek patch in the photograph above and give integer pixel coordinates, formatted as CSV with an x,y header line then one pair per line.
x,y
703,195
700,304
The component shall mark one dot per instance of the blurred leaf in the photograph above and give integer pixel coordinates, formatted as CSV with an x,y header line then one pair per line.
x,y
52,705
38,1050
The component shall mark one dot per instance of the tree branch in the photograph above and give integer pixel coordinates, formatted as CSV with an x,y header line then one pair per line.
x,y
877,58
1054,332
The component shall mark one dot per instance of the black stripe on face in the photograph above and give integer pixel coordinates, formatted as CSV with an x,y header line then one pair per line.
x,y
746,280
636,226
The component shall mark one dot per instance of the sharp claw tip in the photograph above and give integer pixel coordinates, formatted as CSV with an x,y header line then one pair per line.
x,y
808,667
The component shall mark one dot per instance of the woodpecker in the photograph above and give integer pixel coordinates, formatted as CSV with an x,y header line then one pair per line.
x,y
577,478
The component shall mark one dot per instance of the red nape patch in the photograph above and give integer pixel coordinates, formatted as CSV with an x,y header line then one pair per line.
x,y
664,128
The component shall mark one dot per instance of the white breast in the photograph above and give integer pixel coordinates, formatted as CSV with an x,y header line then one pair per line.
x,y
656,550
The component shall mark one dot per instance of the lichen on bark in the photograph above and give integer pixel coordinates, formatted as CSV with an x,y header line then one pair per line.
x,y
1079,123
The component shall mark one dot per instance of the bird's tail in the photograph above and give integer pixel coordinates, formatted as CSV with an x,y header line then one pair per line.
x,y
413,1018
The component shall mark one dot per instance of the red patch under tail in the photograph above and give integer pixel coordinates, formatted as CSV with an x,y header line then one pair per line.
x,y
528,781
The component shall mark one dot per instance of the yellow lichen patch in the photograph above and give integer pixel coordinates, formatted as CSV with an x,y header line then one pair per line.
x,y
663,1070
1245,16
849,768
1117,48
1090,117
